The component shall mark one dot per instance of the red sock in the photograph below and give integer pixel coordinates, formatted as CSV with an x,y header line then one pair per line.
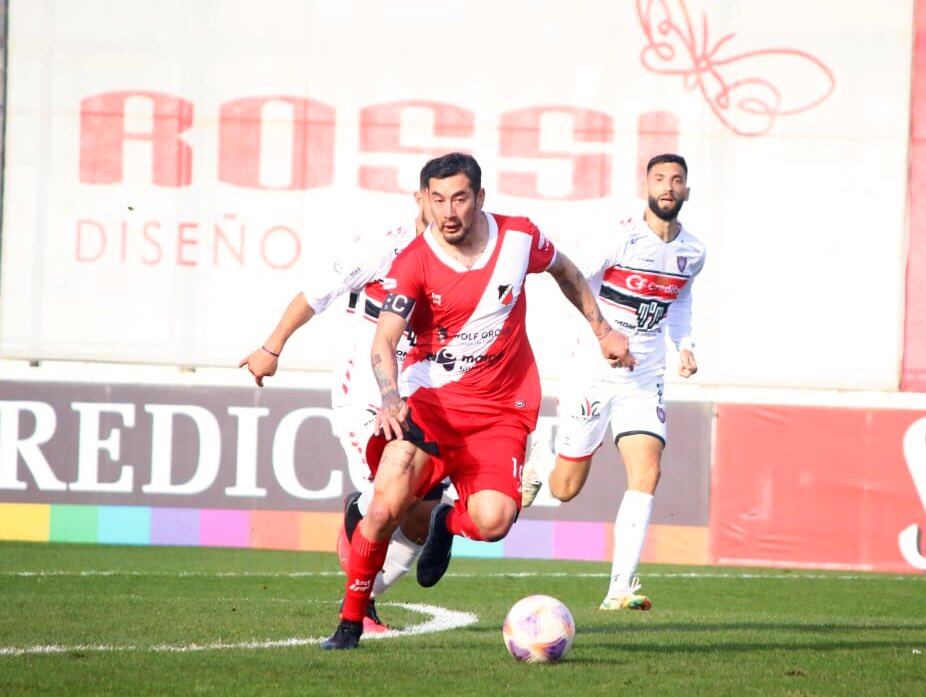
x,y
460,523
365,561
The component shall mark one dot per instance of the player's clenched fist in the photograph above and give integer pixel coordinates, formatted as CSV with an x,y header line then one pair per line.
x,y
616,348
688,366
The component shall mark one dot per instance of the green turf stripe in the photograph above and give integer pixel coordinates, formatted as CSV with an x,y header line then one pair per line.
x,y
73,523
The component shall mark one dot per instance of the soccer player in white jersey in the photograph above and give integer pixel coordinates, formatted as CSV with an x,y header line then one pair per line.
x,y
643,274
469,391
354,393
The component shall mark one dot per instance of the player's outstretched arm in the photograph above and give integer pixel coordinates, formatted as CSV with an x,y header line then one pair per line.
x,y
614,344
389,329
262,363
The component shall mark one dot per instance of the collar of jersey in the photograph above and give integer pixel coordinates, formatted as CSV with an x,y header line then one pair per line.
x,y
641,225
450,261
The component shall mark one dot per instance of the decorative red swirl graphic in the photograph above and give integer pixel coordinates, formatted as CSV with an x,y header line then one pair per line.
x,y
746,91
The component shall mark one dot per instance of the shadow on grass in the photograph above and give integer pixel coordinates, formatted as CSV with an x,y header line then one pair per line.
x,y
616,627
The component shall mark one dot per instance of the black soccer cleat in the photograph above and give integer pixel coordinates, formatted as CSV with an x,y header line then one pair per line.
x,y
346,636
352,514
435,555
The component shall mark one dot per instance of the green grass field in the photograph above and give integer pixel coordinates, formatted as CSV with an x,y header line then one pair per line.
x,y
137,620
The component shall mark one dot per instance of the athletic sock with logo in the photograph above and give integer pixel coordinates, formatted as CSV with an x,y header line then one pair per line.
x,y
366,559
629,535
399,559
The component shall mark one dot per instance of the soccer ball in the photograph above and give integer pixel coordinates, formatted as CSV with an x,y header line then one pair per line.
x,y
538,629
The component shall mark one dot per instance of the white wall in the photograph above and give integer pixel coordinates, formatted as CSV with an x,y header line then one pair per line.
x,y
804,218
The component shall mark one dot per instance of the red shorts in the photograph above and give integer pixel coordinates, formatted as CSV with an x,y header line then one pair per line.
x,y
477,453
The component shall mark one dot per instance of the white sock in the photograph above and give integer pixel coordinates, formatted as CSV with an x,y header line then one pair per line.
x,y
400,556
629,536
363,503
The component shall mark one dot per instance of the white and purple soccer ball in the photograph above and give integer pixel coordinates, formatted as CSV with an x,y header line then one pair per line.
x,y
538,629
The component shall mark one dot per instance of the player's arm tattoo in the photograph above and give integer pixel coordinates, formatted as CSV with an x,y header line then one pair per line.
x,y
577,291
387,386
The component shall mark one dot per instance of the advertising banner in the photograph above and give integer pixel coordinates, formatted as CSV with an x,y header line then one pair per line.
x,y
147,463
819,487
175,170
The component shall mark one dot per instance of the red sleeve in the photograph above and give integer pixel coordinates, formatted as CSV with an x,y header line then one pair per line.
x,y
405,276
542,251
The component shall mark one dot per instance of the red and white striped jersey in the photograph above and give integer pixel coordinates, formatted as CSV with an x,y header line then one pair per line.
x,y
358,270
471,350
643,285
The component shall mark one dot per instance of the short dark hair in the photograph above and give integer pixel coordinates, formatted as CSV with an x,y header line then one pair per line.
x,y
667,157
451,164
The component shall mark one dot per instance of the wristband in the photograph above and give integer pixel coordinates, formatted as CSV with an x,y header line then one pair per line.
x,y
275,355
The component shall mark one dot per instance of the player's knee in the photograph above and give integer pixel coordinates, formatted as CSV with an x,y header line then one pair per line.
x,y
382,516
493,525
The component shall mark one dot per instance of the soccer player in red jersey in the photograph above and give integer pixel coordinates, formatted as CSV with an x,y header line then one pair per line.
x,y
471,380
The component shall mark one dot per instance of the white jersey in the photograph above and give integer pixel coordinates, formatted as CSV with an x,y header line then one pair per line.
x,y
358,271
643,286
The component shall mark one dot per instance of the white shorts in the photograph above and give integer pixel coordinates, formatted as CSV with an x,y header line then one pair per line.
x,y
630,406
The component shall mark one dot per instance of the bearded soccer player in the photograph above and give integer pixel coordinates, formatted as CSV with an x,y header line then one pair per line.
x,y
643,273
474,391
354,394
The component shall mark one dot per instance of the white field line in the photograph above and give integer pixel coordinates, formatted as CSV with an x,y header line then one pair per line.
x,y
797,576
440,620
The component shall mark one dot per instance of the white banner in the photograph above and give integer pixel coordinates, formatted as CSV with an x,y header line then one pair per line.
x,y
173,169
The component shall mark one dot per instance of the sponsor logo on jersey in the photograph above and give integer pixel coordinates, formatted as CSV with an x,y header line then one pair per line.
x,y
450,362
437,299
388,283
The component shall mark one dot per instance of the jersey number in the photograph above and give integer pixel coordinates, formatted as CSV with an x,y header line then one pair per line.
x,y
649,314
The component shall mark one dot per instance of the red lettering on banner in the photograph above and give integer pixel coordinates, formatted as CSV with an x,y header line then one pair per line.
x,y
184,241
103,134
265,241
219,232
312,160
153,243
521,133
80,249
381,131
384,129
657,133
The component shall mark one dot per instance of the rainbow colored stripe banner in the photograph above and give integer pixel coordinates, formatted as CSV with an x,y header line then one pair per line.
x,y
317,532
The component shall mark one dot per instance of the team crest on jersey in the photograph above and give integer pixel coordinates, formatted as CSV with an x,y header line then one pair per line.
x,y
682,263
661,414
505,294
